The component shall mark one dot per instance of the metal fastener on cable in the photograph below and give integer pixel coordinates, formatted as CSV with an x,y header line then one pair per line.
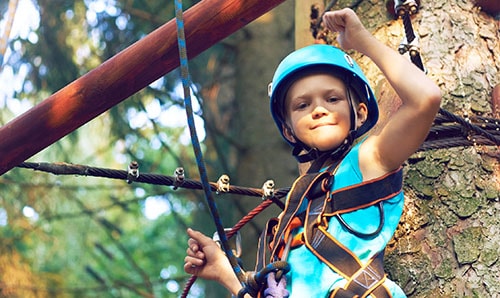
x,y
413,47
403,7
179,177
268,190
132,172
223,184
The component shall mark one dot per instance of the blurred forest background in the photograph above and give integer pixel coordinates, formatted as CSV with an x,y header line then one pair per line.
x,y
78,236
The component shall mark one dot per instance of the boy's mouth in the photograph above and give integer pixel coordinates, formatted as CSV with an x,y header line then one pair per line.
x,y
321,125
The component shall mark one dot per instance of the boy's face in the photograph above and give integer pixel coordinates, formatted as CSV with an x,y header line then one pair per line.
x,y
317,111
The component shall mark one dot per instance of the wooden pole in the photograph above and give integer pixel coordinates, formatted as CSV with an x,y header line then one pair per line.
x,y
124,74
303,35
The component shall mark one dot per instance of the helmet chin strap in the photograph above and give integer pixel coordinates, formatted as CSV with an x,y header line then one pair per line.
x,y
320,157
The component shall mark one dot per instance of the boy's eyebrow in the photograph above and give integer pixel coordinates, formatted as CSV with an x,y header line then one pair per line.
x,y
340,92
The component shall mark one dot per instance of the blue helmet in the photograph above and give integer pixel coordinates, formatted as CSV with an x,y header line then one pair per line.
x,y
327,58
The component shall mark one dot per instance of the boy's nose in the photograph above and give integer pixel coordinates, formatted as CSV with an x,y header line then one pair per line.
x,y
319,111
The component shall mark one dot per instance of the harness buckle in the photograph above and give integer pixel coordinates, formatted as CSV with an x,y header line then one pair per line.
x,y
327,183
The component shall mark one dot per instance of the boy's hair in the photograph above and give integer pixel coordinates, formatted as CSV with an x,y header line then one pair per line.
x,y
325,58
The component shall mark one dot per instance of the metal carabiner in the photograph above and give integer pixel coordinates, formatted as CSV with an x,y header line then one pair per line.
x,y
235,241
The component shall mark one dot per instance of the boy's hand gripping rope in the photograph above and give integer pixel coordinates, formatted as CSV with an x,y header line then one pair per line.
x,y
181,40
274,274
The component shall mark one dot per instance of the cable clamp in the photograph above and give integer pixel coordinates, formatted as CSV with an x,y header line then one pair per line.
x,y
132,172
268,190
179,177
402,7
413,47
223,184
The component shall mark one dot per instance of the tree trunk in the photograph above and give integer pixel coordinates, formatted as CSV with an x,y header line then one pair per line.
x,y
446,244
263,155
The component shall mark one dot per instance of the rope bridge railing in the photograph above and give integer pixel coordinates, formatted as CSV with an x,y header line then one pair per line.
x,y
61,168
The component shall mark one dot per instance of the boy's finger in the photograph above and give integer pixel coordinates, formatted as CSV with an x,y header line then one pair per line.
x,y
199,237
193,245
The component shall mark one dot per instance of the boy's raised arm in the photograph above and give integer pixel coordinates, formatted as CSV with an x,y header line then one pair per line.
x,y
420,96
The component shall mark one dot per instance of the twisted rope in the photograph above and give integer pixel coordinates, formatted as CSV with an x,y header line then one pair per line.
x,y
149,178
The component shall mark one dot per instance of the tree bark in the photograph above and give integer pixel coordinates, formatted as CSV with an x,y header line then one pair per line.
x,y
446,244
264,154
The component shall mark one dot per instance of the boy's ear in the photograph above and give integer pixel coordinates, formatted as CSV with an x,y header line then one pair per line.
x,y
288,133
362,114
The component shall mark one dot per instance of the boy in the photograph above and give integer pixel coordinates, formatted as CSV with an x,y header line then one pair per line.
x,y
322,103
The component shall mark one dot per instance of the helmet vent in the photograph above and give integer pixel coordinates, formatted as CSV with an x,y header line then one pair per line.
x,y
349,60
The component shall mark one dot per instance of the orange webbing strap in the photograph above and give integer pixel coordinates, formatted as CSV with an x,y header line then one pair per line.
x,y
271,239
302,187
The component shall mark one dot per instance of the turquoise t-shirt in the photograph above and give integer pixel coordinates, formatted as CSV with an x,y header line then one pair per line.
x,y
309,277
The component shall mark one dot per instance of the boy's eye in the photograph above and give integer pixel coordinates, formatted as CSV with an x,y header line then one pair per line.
x,y
332,99
301,105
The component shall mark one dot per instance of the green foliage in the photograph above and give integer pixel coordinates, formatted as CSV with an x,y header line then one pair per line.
x,y
76,236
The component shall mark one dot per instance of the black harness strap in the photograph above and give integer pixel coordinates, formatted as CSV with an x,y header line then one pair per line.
x,y
263,253
367,280
365,194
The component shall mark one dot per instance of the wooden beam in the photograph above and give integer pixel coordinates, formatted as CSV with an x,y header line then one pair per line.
x,y
303,34
121,76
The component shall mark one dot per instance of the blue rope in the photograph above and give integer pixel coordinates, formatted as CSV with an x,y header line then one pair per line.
x,y
181,39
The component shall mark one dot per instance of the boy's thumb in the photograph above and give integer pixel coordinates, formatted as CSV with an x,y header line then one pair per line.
x,y
198,236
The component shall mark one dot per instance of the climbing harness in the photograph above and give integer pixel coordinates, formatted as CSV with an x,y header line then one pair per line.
x,y
362,279
322,204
